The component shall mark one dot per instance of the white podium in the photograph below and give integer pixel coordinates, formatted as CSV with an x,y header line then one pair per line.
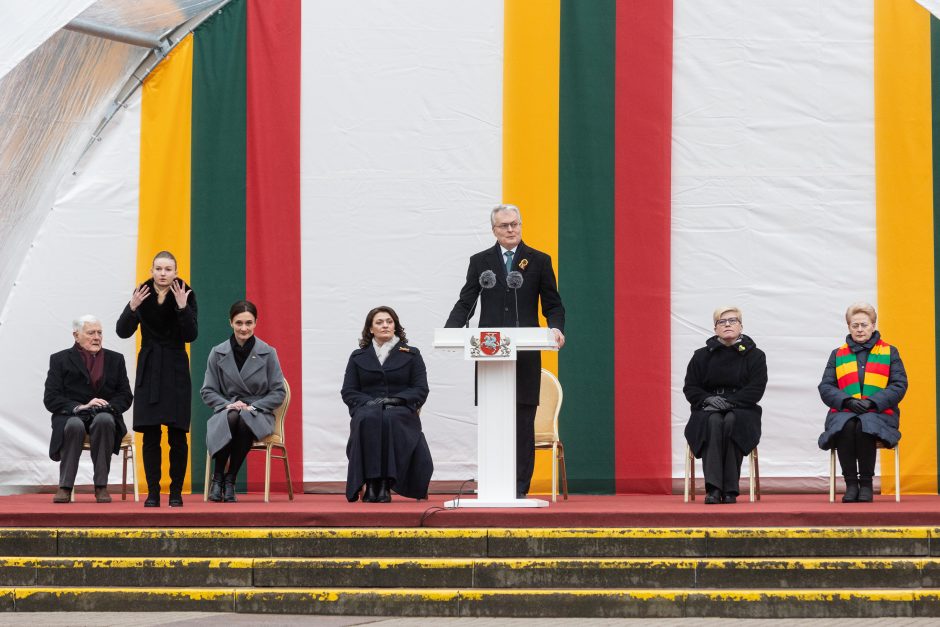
x,y
496,406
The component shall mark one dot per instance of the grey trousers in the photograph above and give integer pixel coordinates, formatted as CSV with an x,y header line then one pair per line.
x,y
101,432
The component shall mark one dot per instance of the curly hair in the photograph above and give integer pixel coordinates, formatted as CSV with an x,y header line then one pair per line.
x,y
366,338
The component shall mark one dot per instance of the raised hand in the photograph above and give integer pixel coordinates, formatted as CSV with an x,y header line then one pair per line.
x,y
139,295
180,293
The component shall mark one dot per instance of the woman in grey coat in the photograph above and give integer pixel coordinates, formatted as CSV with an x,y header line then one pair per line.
x,y
243,386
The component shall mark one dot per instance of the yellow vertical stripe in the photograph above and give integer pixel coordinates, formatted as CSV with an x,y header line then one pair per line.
x,y
531,35
904,197
165,144
530,123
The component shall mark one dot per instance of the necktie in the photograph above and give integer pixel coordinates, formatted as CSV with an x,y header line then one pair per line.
x,y
508,255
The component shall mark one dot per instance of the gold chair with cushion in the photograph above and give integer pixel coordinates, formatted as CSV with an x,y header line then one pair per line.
x,y
753,473
274,441
128,453
546,429
897,471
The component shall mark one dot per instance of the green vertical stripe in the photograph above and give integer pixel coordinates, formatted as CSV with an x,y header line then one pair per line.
x,y
218,195
586,244
935,123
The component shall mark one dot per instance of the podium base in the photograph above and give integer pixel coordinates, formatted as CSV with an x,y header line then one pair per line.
x,y
464,502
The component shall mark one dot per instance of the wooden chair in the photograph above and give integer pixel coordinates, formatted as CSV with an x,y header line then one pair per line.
x,y
897,471
753,471
546,429
129,452
274,441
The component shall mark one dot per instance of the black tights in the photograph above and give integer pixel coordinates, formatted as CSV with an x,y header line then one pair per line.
x,y
856,450
153,457
235,452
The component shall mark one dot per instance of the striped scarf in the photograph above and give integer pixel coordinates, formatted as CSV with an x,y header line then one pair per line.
x,y
876,371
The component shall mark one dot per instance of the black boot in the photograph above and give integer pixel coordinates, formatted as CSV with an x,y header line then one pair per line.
x,y
851,490
176,499
153,499
865,491
228,488
215,488
384,496
372,491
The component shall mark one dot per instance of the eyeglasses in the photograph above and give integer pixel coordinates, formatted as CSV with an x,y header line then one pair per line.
x,y
506,226
727,322
859,325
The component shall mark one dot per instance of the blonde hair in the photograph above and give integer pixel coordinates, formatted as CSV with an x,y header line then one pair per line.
x,y
861,307
725,309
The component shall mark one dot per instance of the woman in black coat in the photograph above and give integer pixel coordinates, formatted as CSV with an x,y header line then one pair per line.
x,y
723,384
385,386
862,385
165,309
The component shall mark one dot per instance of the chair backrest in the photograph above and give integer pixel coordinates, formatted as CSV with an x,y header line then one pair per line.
x,y
281,413
546,417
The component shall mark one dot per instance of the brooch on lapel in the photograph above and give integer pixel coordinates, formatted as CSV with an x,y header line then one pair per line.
x,y
741,348
523,264
404,349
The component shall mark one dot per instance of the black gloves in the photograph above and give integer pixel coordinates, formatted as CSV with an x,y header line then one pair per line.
x,y
857,405
717,403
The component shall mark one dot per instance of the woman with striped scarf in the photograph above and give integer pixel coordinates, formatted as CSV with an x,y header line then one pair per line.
x,y
863,384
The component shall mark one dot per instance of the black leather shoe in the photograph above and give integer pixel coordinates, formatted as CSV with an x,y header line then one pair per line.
x,y
730,498
851,491
713,497
215,488
865,491
383,496
153,500
176,499
228,488
372,491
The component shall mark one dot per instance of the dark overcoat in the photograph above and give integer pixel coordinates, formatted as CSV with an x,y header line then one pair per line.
x,y
259,383
738,373
403,375
498,306
162,389
68,385
879,424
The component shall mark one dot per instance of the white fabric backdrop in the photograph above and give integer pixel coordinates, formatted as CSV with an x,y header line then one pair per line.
x,y
400,161
82,261
773,197
27,24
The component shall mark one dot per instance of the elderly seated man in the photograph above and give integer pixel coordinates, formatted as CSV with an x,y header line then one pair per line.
x,y
87,391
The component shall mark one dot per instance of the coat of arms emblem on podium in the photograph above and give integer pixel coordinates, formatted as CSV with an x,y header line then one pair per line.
x,y
489,344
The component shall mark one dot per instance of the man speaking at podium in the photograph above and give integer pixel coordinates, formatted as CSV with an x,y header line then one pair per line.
x,y
493,276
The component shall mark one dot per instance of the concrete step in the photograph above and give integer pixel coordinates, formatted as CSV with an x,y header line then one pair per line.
x,y
495,543
473,573
545,603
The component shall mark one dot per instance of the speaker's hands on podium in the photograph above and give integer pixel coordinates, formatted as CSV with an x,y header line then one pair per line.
x,y
559,337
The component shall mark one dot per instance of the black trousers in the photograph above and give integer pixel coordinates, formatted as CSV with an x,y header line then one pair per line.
x,y
721,458
525,446
234,453
153,457
856,451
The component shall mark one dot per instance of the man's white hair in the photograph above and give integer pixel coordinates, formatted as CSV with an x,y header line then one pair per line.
x,y
79,323
499,208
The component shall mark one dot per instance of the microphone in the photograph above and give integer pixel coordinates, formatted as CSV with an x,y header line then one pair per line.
x,y
487,281
514,281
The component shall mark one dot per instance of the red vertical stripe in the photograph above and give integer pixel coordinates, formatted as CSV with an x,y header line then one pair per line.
x,y
642,188
273,204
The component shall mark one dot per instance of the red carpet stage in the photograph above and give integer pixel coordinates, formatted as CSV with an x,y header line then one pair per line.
x,y
332,510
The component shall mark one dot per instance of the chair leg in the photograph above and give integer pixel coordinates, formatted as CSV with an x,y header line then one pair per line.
x,y
205,486
750,471
757,472
267,475
554,472
124,474
290,486
564,470
897,474
134,471
832,475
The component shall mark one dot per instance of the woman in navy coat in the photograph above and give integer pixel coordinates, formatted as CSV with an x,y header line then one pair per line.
x,y
385,386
